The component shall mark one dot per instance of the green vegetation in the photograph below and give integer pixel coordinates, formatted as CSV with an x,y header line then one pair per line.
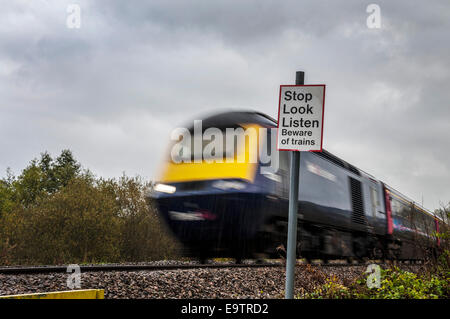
x,y
395,284
55,212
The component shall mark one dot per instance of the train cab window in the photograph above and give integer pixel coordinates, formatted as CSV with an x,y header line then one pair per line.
x,y
274,164
267,146
284,172
284,161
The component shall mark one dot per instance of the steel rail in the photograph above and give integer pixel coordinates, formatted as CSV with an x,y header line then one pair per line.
x,y
96,268
128,267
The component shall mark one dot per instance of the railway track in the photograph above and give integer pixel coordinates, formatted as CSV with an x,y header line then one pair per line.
x,y
153,267
96,268
174,279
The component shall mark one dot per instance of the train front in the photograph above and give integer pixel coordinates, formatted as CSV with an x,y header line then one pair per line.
x,y
211,191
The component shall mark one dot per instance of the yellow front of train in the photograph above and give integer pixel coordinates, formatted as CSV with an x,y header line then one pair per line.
x,y
236,159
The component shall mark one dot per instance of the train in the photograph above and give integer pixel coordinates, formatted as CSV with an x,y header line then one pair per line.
x,y
239,209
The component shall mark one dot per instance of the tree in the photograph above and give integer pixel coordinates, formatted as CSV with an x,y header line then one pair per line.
x,y
28,186
65,168
6,197
55,212
44,177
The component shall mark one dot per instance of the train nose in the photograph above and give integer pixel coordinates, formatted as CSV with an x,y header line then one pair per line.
x,y
213,218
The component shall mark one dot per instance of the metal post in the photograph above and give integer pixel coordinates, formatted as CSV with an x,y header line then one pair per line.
x,y
293,212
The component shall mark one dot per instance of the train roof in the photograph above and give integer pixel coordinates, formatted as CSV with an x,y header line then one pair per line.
x,y
408,200
241,117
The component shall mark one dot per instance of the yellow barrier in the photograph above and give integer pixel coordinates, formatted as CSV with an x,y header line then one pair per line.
x,y
69,294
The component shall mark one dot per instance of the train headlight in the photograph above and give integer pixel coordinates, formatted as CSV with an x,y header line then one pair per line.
x,y
163,188
225,185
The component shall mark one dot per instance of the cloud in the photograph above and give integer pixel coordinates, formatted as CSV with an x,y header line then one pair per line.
x,y
113,89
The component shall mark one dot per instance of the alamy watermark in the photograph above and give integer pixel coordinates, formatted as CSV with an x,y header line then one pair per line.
x,y
74,279
226,145
374,19
73,20
374,278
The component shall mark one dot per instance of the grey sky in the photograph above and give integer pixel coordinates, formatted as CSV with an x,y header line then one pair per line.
x,y
112,90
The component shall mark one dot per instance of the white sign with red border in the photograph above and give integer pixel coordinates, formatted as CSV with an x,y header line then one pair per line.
x,y
300,117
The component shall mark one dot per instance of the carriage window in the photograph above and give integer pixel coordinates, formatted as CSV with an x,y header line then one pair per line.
x,y
429,224
401,211
420,222
374,200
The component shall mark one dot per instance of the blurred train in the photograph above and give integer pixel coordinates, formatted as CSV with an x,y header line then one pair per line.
x,y
239,210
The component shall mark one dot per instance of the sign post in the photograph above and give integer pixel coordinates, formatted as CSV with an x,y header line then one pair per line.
x,y
300,128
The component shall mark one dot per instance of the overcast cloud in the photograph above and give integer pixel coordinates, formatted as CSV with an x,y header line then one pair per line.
x,y
113,90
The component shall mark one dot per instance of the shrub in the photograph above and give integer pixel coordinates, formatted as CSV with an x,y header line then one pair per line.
x,y
331,289
400,284
76,224
143,234
395,284
56,213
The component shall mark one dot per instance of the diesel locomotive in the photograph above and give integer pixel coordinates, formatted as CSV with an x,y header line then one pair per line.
x,y
239,209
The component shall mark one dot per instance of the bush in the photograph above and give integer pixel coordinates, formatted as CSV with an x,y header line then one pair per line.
x,y
395,284
400,284
78,223
143,234
54,213
331,289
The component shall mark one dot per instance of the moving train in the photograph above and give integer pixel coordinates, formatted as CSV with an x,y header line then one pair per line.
x,y
223,207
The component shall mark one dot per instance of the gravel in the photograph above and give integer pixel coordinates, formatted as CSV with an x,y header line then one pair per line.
x,y
242,283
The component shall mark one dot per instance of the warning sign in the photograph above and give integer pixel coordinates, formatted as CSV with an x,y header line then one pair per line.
x,y
300,117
